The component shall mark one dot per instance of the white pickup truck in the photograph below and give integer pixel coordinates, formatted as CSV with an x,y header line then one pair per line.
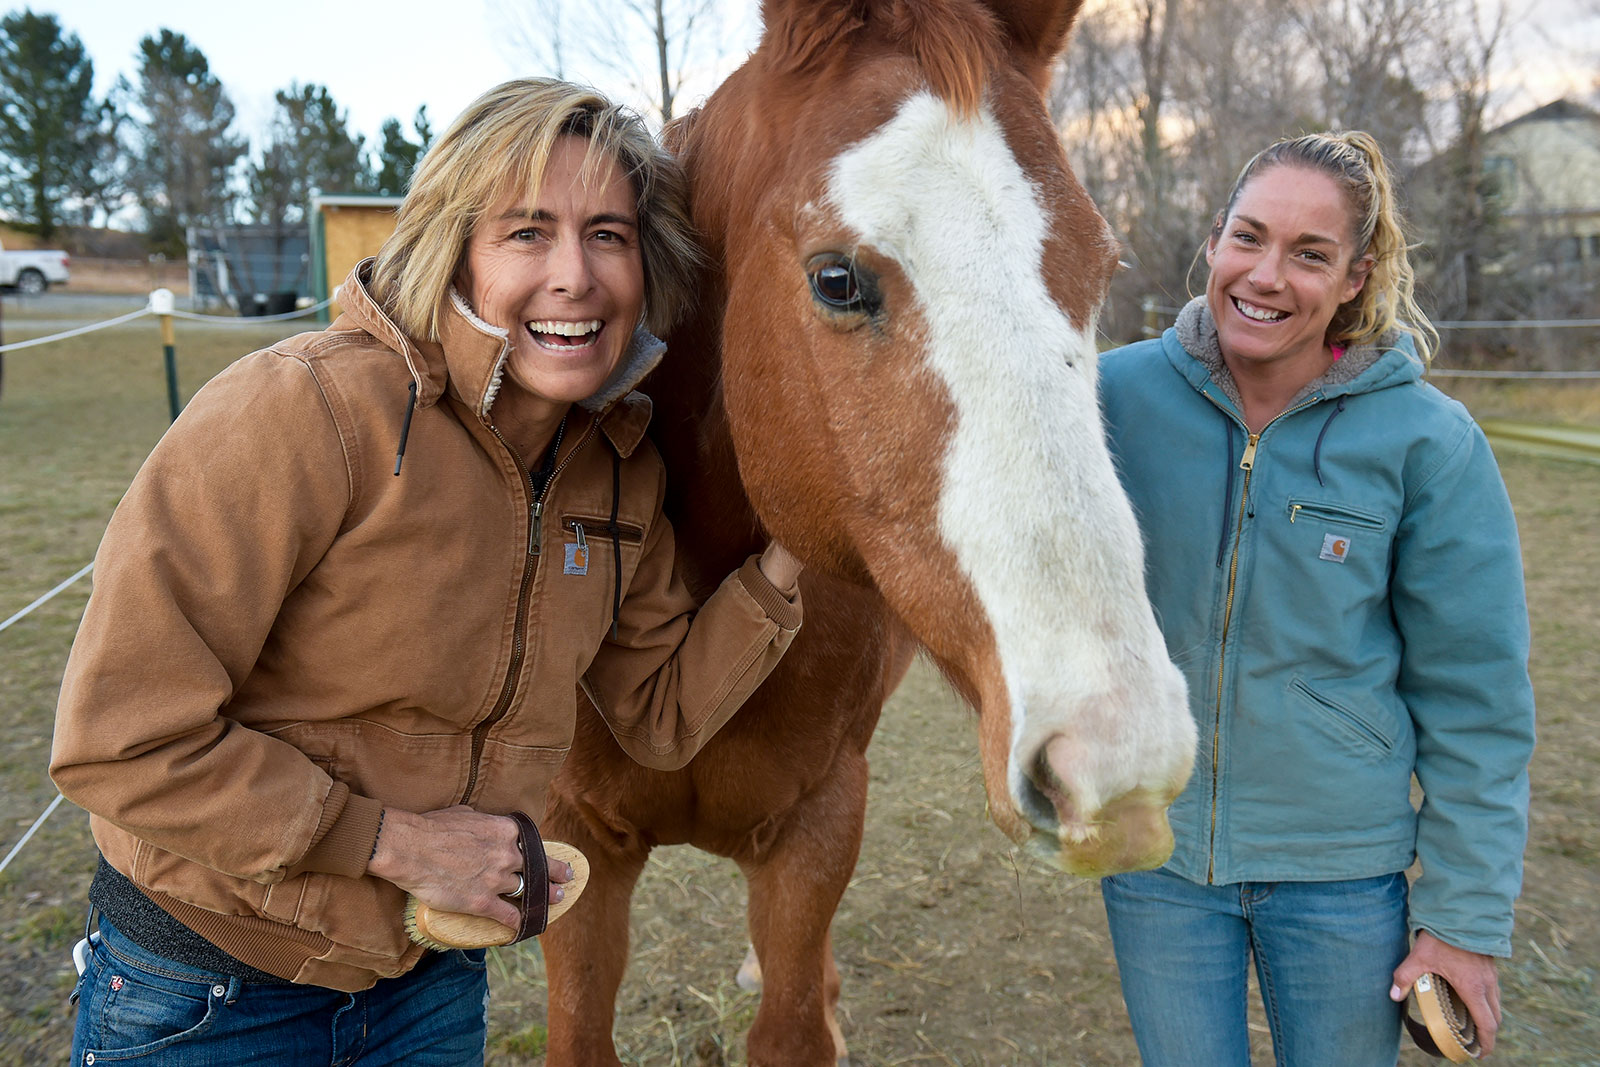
x,y
33,272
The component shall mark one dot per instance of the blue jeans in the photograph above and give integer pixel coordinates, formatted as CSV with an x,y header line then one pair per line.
x,y
1325,954
138,1007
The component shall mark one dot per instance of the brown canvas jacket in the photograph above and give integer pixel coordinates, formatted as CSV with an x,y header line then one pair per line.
x,y
284,636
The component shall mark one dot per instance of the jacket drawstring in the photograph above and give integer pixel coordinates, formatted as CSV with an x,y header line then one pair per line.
x,y
1316,453
405,427
1227,496
616,540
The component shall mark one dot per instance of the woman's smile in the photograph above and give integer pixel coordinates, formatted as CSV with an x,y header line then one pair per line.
x,y
557,336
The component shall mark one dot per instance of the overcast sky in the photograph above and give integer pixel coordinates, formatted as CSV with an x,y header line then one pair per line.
x,y
382,60
378,60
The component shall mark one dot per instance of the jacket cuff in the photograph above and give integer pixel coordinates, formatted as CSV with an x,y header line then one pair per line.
x,y
346,836
1498,947
767,596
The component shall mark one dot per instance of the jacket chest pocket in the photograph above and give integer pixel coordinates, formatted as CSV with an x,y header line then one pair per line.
x,y
1335,556
584,535
1340,514
1329,533
598,526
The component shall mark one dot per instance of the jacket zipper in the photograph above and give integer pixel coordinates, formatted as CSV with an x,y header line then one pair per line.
x,y
480,733
1247,463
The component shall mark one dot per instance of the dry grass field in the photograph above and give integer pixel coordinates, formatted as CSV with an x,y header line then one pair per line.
x,y
954,948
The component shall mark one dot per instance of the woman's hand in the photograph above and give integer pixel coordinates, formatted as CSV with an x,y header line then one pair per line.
x,y
1472,975
457,859
781,568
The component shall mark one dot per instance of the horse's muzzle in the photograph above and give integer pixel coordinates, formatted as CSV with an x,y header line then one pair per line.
x,y
1130,833
1085,835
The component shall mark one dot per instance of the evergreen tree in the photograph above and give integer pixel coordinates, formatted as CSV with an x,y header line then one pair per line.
x,y
48,119
99,175
184,149
310,151
398,155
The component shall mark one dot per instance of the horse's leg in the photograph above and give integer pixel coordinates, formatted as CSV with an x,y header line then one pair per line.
x,y
749,980
830,993
795,888
586,950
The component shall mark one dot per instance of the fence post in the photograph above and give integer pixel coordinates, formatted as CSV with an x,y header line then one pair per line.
x,y
161,303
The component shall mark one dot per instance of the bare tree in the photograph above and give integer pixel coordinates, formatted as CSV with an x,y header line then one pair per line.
x,y
1244,83
1092,101
1150,231
1363,52
653,47
1453,202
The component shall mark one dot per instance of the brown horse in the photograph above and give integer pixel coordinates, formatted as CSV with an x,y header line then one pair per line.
x,y
891,368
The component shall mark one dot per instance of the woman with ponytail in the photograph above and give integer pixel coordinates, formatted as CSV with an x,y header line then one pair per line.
x,y
1334,562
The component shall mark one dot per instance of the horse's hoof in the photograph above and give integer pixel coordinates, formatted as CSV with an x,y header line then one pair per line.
x,y
749,976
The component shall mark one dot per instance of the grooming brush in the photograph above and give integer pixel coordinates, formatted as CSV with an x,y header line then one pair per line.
x,y
448,929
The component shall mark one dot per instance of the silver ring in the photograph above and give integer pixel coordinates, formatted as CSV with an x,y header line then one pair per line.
x,y
521,886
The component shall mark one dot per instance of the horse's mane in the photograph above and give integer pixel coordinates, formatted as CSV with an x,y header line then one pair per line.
x,y
955,42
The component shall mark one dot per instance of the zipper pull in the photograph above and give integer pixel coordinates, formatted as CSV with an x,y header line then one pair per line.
x,y
1292,509
1248,460
536,517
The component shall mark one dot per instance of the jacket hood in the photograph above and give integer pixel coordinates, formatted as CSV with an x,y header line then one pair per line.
x,y
470,360
1362,369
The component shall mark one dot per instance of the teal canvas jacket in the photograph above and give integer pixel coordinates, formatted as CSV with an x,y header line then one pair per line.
x,y
1344,595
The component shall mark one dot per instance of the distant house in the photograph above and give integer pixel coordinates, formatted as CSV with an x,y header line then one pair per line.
x,y
1543,168
1518,239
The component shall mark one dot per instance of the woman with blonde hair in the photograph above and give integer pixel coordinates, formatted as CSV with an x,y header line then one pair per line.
x,y
1334,563
342,615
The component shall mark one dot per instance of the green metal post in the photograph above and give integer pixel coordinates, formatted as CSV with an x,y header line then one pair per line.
x,y
161,303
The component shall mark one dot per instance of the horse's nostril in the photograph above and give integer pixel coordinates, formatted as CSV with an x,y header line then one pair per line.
x,y
1047,780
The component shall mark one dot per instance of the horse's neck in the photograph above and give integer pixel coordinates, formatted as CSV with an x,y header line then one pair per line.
x,y
712,518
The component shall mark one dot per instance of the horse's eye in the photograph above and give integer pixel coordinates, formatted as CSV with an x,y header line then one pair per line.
x,y
835,285
840,285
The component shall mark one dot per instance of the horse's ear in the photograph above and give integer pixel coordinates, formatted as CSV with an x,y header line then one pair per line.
x,y
1038,31
797,33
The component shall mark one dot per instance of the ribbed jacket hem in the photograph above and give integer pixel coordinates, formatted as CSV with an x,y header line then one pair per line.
x,y
276,948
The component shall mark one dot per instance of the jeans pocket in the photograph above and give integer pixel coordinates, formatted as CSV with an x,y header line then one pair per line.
x,y
471,959
135,1012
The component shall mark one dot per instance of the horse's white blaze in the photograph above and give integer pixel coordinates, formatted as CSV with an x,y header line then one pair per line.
x,y
1030,505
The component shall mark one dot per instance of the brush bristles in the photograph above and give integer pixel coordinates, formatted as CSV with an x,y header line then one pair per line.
x,y
444,930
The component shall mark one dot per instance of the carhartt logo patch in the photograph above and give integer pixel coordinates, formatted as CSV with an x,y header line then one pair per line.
x,y
577,561
1334,548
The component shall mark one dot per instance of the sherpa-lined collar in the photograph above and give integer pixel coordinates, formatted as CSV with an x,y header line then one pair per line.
x,y
470,360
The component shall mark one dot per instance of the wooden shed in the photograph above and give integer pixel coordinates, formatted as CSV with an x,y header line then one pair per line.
x,y
344,231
